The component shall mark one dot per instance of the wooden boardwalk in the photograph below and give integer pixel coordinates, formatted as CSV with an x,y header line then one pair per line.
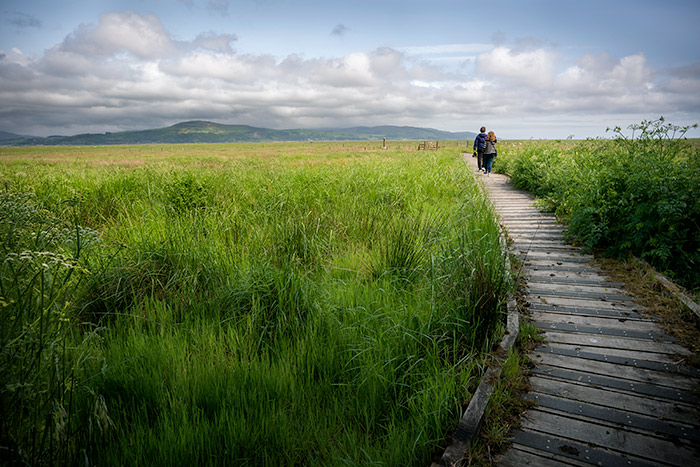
x,y
607,384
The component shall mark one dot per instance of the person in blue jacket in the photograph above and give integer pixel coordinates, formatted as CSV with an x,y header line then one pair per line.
x,y
479,142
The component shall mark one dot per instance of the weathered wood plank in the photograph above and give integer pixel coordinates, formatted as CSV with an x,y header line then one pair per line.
x,y
558,268
611,342
523,245
660,358
592,275
616,440
545,291
637,324
602,288
616,332
614,370
617,384
580,311
554,255
633,359
582,303
558,264
545,279
524,455
653,407
576,450
638,423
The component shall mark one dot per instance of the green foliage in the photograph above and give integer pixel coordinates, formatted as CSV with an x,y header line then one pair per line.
x,y
186,193
635,195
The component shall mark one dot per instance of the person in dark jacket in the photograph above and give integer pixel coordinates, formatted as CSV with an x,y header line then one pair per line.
x,y
479,147
489,152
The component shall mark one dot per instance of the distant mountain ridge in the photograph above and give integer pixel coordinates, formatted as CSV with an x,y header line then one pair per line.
x,y
4,135
198,131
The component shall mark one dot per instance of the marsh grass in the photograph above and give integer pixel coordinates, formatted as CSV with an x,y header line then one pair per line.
x,y
251,305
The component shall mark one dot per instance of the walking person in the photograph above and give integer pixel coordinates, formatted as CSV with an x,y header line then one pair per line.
x,y
489,152
479,148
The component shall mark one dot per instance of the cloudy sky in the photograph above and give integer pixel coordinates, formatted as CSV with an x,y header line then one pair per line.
x,y
525,68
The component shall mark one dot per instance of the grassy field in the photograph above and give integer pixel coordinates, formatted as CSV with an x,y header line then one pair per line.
x,y
247,304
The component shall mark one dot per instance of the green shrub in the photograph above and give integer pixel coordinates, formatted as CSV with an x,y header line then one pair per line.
x,y
637,195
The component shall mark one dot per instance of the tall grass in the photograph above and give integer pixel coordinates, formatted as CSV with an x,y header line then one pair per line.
x,y
630,195
48,410
252,305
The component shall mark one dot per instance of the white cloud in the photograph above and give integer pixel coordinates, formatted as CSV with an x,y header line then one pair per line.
x,y
533,68
143,36
127,72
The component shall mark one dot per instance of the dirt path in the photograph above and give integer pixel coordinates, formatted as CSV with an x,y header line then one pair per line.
x,y
607,384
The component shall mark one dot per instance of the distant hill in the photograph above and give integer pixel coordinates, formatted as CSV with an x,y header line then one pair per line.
x,y
209,132
4,135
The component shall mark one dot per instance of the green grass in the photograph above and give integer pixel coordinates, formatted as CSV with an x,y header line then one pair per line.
x,y
241,304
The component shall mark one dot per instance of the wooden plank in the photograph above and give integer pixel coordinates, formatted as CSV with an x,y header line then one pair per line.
x,y
566,254
637,324
544,279
582,303
555,268
653,407
611,342
538,227
615,332
582,275
559,263
617,371
554,260
524,455
541,290
617,440
518,227
638,423
601,289
617,384
632,359
528,236
607,313
590,318
576,450
531,244
511,220
660,358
